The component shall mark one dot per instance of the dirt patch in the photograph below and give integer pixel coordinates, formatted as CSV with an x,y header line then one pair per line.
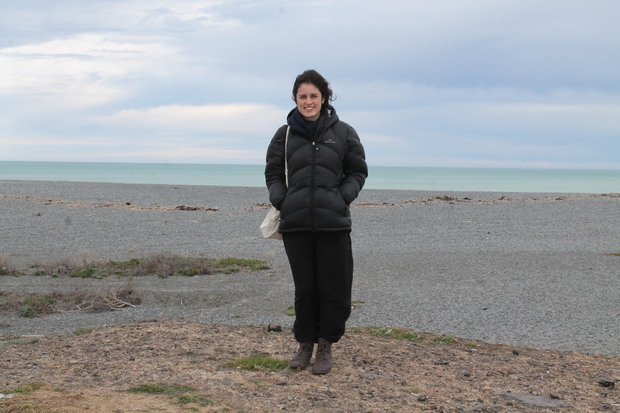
x,y
95,372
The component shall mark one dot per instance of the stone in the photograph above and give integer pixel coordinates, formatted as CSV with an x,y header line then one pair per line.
x,y
610,384
534,400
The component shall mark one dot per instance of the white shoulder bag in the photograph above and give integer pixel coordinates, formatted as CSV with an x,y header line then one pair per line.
x,y
271,223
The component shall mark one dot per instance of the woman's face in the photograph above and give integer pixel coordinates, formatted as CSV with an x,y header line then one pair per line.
x,y
309,101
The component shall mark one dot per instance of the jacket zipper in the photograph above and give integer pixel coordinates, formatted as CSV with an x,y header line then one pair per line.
x,y
315,149
312,184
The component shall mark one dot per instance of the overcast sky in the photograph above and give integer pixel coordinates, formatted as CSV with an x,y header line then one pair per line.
x,y
498,83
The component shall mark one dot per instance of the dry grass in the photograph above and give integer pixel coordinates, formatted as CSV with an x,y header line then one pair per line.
x,y
6,265
37,305
178,367
160,265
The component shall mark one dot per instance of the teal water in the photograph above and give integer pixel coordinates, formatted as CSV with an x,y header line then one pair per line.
x,y
446,179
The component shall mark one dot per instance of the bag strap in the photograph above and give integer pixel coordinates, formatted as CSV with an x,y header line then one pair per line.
x,y
285,161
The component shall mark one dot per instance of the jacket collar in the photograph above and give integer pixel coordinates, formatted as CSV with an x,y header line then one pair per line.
x,y
308,128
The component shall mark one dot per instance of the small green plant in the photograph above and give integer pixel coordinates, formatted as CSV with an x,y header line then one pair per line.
x,y
198,399
133,262
45,299
396,333
83,331
34,306
258,362
290,311
236,264
24,388
444,340
187,272
172,390
28,311
182,394
89,272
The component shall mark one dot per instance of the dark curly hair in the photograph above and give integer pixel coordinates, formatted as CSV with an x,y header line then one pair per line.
x,y
315,78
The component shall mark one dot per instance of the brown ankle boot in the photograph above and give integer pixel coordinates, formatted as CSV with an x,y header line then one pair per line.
x,y
323,362
302,357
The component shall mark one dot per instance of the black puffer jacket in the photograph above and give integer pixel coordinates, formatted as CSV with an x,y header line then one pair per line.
x,y
325,175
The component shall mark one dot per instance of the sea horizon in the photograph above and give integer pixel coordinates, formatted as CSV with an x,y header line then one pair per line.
x,y
482,179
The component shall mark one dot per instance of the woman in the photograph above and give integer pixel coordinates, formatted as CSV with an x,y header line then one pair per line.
x,y
326,171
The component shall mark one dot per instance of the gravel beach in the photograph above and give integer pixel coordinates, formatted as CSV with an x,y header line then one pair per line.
x,y
511,268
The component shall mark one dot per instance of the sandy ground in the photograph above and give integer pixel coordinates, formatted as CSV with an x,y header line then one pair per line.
x,y
96,372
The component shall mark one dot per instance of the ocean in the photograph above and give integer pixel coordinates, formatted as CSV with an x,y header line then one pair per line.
x,y
380,177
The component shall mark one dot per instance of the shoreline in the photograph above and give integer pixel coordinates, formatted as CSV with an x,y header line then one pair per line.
x,y
528,269
472,179
119,190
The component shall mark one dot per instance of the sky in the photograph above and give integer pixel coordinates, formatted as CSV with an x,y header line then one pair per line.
x,y
442,83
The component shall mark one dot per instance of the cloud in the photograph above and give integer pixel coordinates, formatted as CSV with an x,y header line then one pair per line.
x,y
184,119
450,82
83,70
177,133
231,132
